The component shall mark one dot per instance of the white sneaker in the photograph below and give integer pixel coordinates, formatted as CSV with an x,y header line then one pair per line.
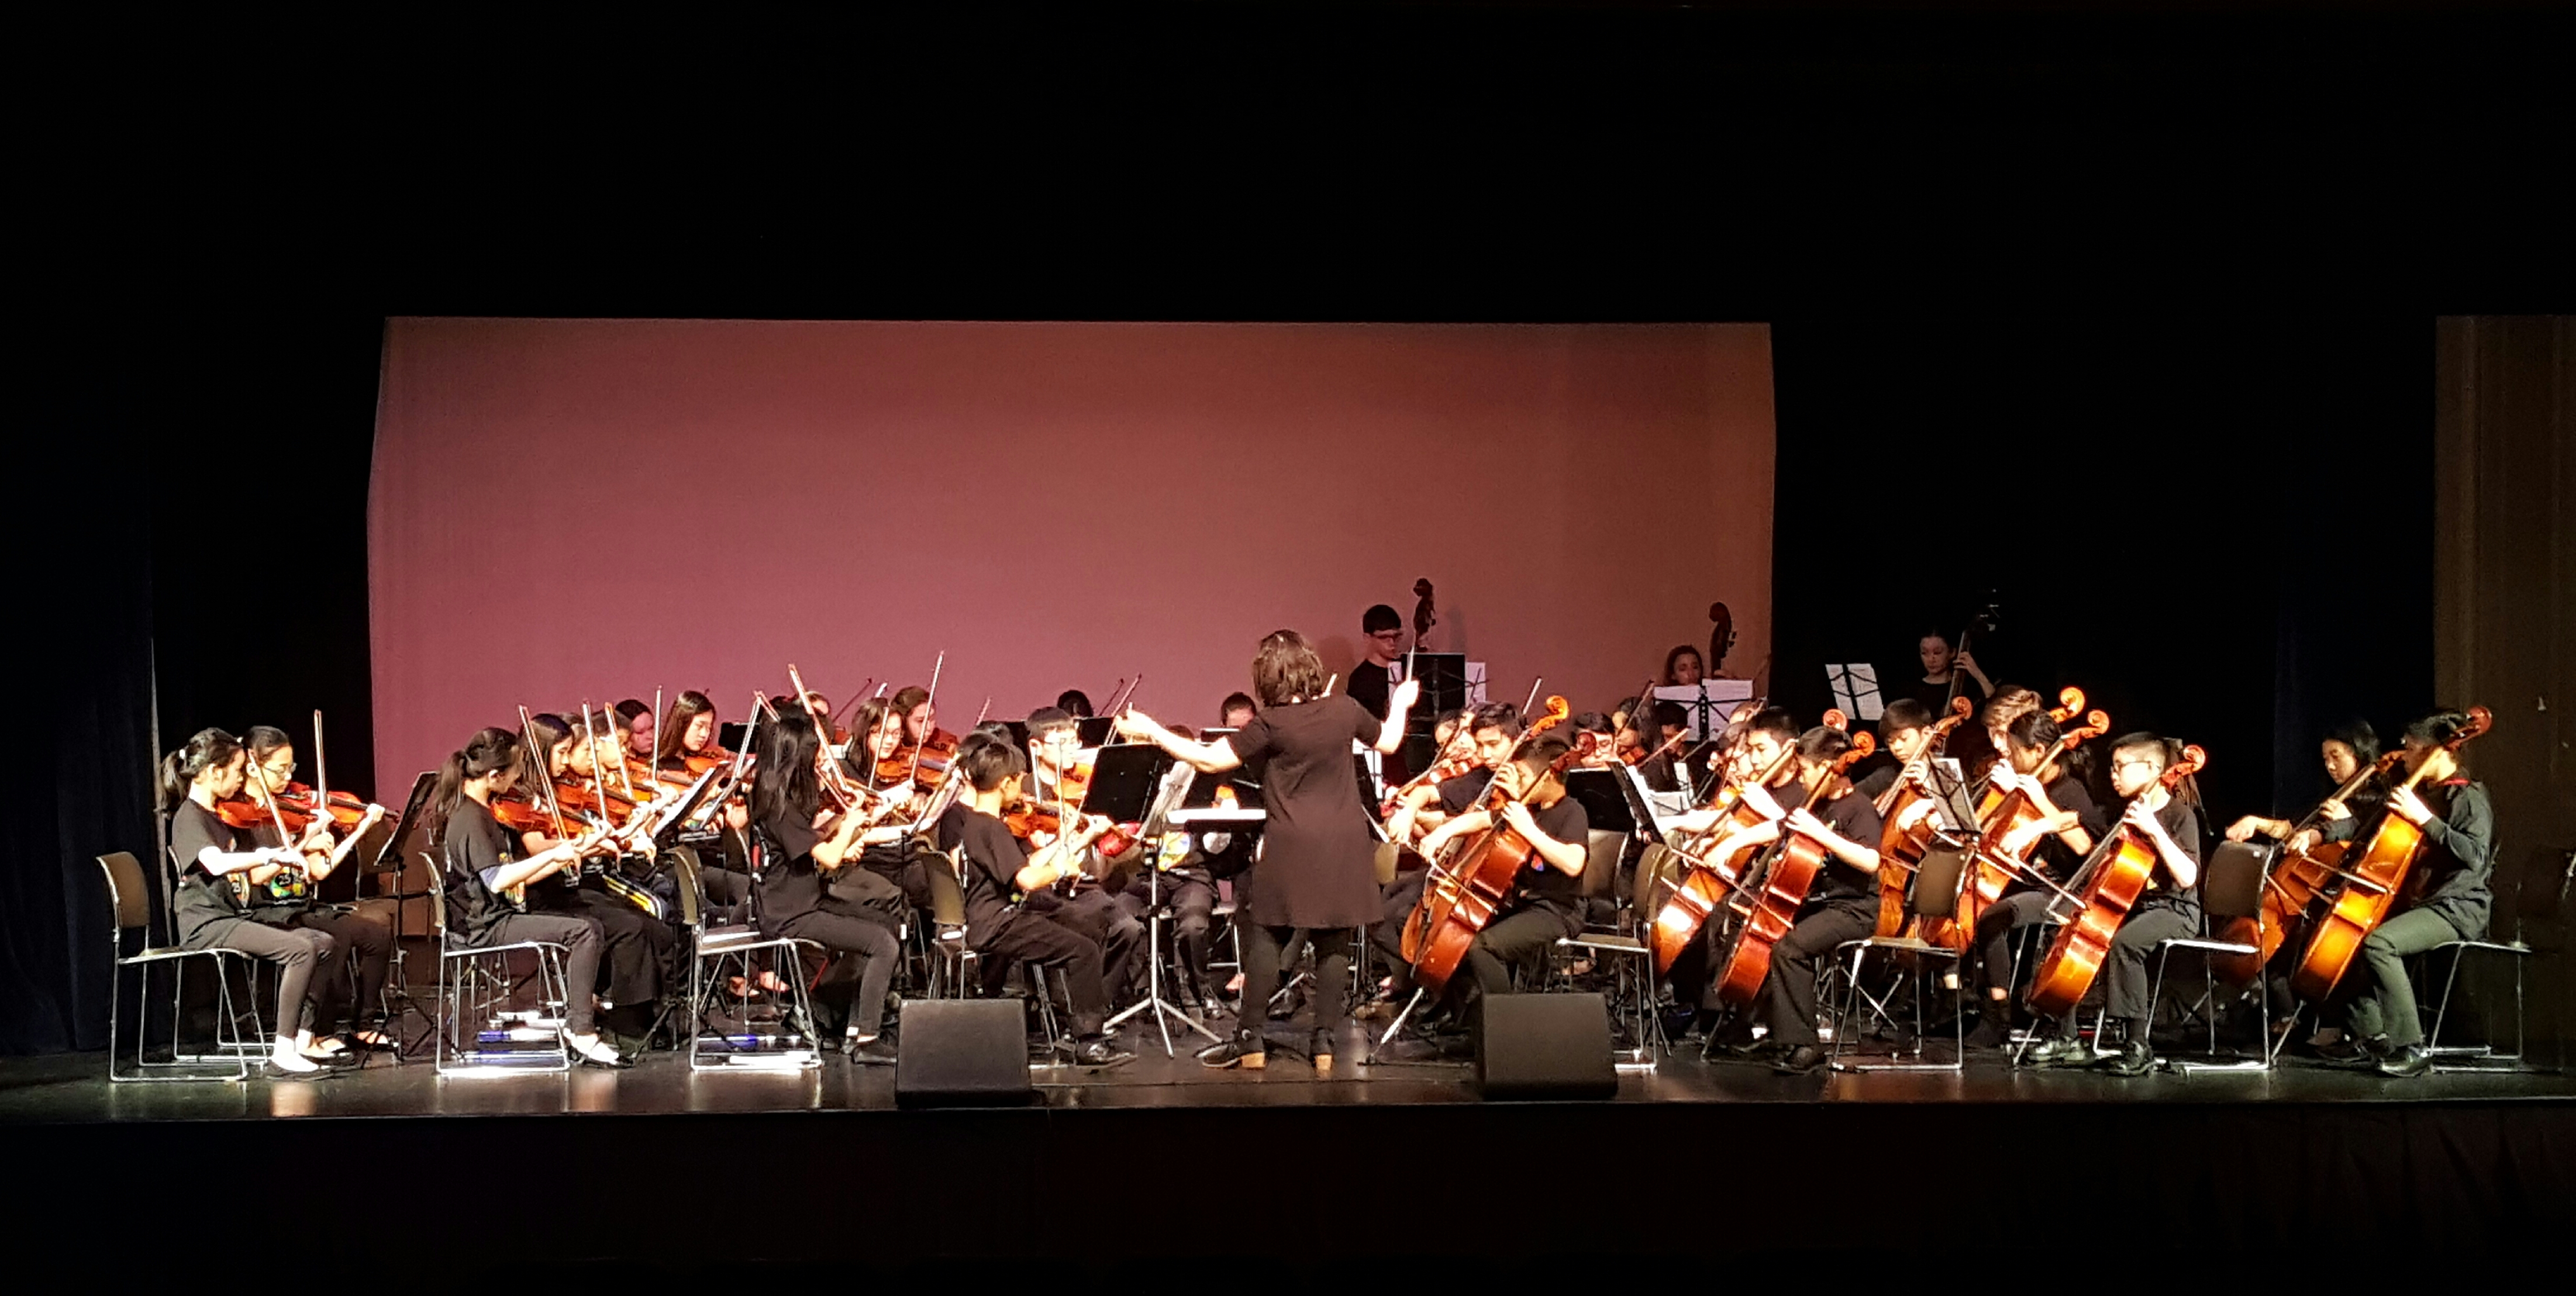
x,y
597,1052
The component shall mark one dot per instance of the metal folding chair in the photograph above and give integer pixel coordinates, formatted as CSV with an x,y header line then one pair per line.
x,y
1936,895
717,952
475,985
130,911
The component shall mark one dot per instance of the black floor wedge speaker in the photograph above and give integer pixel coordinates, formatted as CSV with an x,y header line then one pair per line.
x,y
962,1053
1545,1046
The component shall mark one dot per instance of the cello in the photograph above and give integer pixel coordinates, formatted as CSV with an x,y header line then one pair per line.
x,y
2370,886
1902,844
2108,887
1706,883
1475,882
1777,888
1992,868
2293,884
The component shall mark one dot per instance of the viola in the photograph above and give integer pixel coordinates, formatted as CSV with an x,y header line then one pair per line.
x,y
1706,882
2294,882
925,762
1463,895
1778,888
2123,862
347,810
1901,848
2371,884
1073,788
247,815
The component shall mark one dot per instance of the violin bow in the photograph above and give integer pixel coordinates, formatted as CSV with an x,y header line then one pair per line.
x,y
656,755
913,774
321,767
277,817
545,775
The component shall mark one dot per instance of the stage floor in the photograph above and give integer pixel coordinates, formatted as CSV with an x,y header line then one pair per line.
x,y
74,1088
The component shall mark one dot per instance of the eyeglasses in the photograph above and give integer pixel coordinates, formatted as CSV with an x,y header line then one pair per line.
x,y
1386,634
2133,764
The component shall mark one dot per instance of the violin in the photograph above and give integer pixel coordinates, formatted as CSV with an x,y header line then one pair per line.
x,y
2122,864
1778,887
1706,883
913,760
246,815
1902,845
2294,882
1464,895
2372,883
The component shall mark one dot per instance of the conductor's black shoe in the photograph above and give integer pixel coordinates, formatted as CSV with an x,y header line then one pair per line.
x,y
2133,1059
1101,1053
1800,1060
2407,1062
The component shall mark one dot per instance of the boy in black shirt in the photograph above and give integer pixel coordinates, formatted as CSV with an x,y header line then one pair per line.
x,y
999,875
1547,904
2054,843
1373,680
2169,908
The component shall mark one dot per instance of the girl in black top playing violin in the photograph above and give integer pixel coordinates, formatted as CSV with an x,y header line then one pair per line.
x,y
801,847
363,941
486,875
210,856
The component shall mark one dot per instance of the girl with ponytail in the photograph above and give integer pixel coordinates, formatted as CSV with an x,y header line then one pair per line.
x,y
487,872
208,855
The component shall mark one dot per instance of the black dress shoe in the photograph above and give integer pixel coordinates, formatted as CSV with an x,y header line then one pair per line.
x,y
1991,1033
2061,1051
1744,1046
1800,1060
2356,1054
2407,1062
876,1052
1101,1053
1246,1050
2133,1059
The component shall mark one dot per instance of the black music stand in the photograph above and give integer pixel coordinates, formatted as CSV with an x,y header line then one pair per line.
x,y
1124,779
1170,792
1444,688
1598,792
732,734
401,845
1095,731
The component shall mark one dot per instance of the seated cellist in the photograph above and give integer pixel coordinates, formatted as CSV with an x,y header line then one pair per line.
x,y
2450,890
1547,903
1841,906
2062,829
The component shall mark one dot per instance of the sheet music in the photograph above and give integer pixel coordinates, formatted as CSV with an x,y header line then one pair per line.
x,y
1855,688
1705,704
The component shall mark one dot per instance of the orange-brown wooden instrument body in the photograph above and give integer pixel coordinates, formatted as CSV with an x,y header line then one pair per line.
x,y
2123,866
1780,890
1901,848
1990,869
2377,875
2296,881
1706,881
1465,894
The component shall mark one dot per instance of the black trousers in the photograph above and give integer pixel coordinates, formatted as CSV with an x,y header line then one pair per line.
x,y
1516,938
1192,898
306,961
1096,914
2124,972
636,948
367,946
864,954
1396,904
1057,947
1996,929
1267,949
583,950
2384,999
1789,990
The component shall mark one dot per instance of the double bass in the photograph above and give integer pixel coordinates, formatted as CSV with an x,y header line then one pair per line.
x,y
2107,888
1777,888
2377,873
1902,844
1476,881
1706,883
2294,882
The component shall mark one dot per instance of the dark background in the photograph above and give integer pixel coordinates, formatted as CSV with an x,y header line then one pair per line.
x,y
2049,291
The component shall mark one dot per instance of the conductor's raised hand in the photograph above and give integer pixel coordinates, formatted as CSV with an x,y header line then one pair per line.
x,y
1132,723
1404,696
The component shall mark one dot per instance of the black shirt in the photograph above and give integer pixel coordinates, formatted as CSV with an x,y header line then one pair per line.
x,y
991,858
791,885
473,848
2456,874
1936,697
2184,827
1851,816
1876,784
2055,855
1372,686
203,898
1316,868
1458,795
1546,884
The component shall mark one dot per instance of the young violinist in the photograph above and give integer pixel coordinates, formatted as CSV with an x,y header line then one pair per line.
x,y
1662,768
2449,894
487,874
635,727
1318,876
1842,904
1547,902
210,856
367,945
1075,703
2169,908
920,714
1055,749
1236,711
687,744
801,846
1000,874
2066,823
637,948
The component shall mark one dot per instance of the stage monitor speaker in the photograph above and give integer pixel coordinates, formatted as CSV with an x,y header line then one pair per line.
x,y
963,1053
1544,1046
